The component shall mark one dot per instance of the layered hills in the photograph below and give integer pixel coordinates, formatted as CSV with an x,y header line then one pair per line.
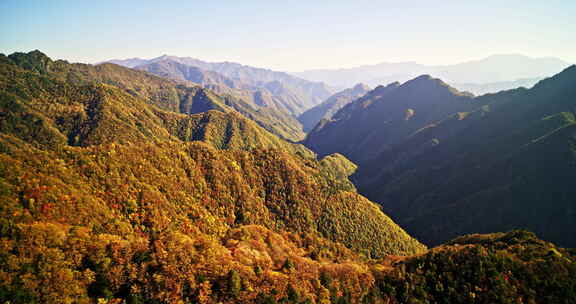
x,y
279,89
492,87
273,112
177,96
385,116
113,194
112,189
490,163
330,106
486,75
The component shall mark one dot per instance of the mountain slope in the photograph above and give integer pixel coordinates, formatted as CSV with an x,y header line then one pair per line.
x,y
386,115
174,70
503,161
508,164
330,106
155,206
271,112
95,113
292,93
92,163
182,97
274,120
185,200
491,268
166,94
312,92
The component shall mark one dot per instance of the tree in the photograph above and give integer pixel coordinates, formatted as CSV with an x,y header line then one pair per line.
x,y
234,283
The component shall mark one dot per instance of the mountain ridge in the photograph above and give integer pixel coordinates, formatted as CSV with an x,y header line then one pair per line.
x,y
112,194
401,104
173,95
505,69
107,117
469,169
308,93
330,106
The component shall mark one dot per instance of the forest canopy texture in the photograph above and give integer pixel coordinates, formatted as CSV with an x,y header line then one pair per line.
x,y
118,186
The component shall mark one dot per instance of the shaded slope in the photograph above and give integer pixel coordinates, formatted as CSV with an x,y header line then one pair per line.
x,y
330,106
384,117
496,162
508,164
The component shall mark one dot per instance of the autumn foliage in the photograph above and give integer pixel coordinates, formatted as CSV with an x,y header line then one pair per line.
x,y
109,198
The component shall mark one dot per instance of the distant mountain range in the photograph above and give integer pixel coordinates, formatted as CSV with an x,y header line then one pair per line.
x,y
275,88
494,87
444,163
488,75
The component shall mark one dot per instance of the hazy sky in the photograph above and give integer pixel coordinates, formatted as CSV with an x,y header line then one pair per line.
x,y
290,35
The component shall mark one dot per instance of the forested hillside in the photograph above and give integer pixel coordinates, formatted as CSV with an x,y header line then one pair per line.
x,y
182,97
284,91
271,112
108,196
363,129
446,165
287,152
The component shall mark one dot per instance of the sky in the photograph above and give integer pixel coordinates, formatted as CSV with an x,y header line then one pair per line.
x,y
290,35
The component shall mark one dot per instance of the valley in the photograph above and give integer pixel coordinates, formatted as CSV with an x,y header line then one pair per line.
x,y
175,180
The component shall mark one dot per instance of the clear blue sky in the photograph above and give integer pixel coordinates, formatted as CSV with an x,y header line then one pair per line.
x,y
290,35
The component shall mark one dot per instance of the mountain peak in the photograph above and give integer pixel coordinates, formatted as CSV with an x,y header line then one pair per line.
x,y
382,89
163,57
360,87
427,82
34,61
425,79
129,62
35,54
